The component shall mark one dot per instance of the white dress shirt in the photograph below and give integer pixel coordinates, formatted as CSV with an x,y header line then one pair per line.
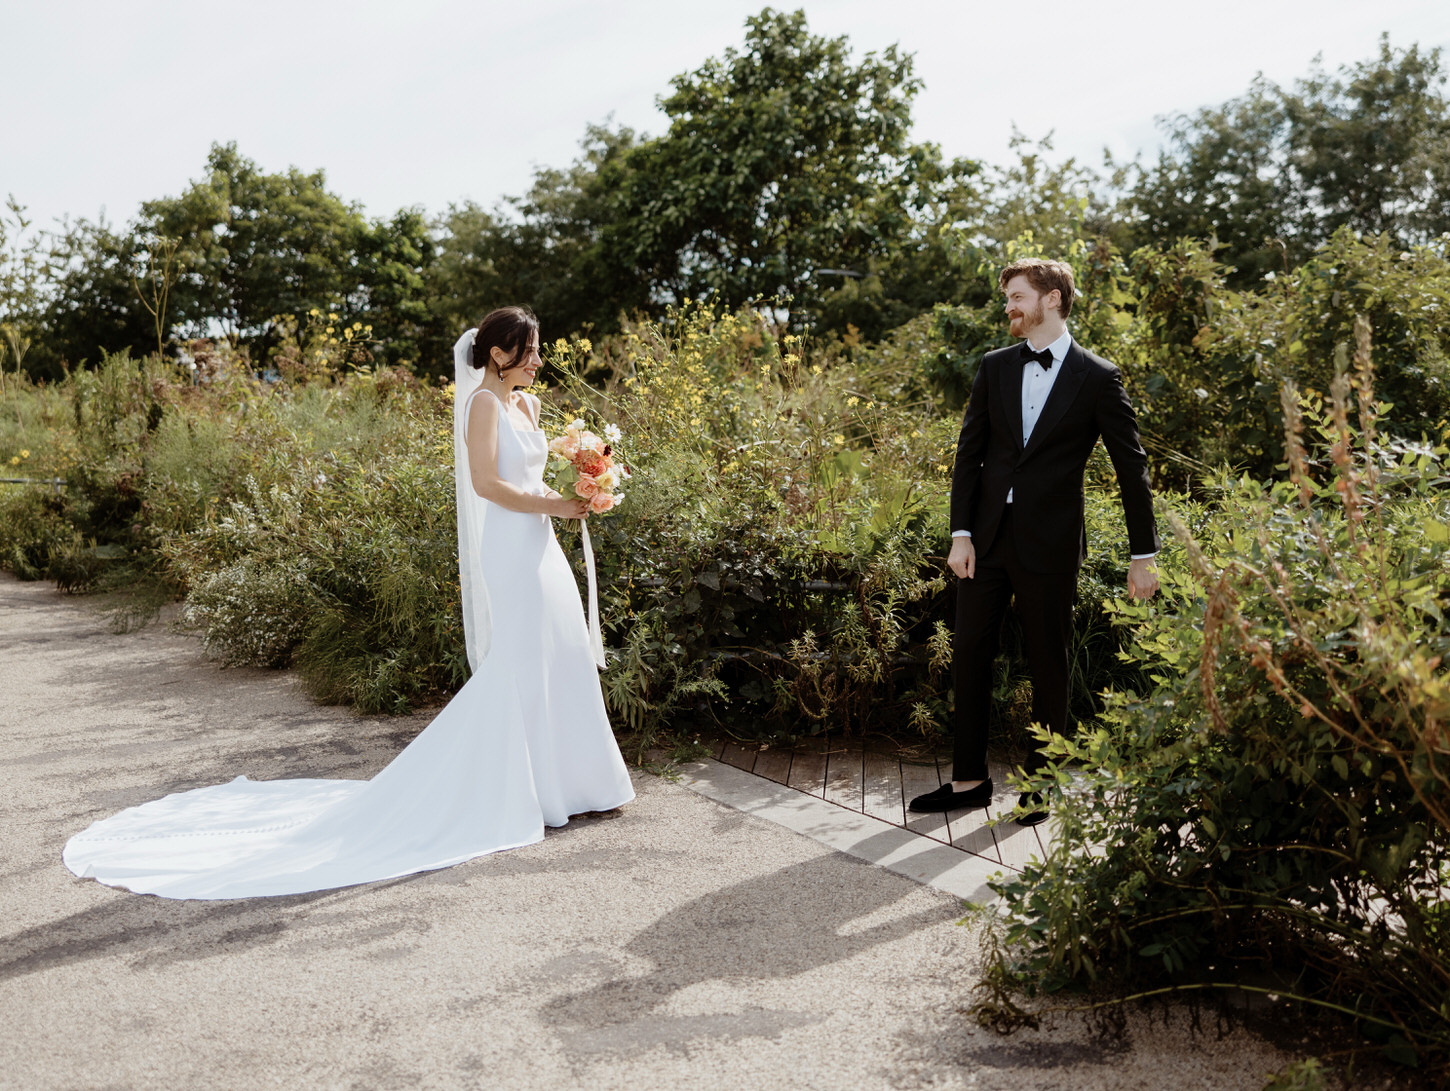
x,y
1036,386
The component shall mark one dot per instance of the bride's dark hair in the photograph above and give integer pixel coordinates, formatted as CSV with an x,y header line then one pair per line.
x,y
508,328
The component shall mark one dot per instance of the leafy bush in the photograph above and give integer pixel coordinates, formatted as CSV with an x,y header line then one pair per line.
x,y
1272,814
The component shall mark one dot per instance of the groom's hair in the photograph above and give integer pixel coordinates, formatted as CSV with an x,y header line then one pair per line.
x,y
1044,276
508,328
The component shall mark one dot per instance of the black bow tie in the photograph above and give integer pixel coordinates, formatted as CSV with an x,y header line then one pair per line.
x,y
1044,357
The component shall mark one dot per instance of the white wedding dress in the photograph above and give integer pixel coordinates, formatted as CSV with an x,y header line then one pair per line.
x,y
523,745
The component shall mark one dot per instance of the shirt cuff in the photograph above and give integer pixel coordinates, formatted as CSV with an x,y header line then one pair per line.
x,y
1143,556
961,534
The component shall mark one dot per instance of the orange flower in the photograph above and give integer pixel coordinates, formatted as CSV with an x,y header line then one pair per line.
x,y
591,462
586,487
602,502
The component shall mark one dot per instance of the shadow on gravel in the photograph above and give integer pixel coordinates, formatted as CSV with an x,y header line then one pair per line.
x,y
155,931
767,928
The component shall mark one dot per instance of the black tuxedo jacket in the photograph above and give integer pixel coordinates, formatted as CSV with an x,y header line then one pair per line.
x,y
1046,474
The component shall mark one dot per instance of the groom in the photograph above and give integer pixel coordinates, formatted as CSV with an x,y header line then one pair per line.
x,y
1037,410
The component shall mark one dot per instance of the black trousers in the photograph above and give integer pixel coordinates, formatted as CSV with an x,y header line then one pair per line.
x,y
1043,602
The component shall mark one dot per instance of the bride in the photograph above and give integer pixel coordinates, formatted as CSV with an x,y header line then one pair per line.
x,y
523,745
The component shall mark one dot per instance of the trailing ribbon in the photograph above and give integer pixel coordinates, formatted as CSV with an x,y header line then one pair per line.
x,y
596,638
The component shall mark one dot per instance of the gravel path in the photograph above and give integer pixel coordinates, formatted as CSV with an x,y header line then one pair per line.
x,y
683,944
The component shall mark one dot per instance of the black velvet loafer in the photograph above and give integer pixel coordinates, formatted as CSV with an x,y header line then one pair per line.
x,y
944,799
1036,814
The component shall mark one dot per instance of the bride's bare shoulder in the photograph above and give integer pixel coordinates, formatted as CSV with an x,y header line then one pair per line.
x,y
491,400
488,414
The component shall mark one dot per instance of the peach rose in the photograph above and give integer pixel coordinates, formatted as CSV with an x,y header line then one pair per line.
x,y
586,487
602,502
566,445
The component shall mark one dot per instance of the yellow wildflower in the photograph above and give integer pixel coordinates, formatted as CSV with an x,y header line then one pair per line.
x,y
15,460
24,453
328,331
816,369
840,440
853,401
585,345
314,312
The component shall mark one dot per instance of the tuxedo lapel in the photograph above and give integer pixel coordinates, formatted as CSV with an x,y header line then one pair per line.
x,y
1069,382
1009,392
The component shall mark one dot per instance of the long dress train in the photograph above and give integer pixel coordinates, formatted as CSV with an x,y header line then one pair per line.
x,y
523,745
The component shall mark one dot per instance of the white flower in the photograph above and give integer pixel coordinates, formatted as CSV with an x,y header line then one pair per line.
x,y
613,434
577,425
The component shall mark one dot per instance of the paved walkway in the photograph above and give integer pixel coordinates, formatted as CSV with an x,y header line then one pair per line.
x,y
687,943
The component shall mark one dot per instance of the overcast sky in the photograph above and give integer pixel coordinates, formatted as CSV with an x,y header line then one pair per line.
x,y
105,103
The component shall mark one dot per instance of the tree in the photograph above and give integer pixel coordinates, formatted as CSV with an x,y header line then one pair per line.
x,y
90,302
1271,175
785,165
1223,176
393,260
1372,147
257,245
543,250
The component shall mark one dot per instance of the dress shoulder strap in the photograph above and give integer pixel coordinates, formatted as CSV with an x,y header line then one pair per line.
x,y
531,407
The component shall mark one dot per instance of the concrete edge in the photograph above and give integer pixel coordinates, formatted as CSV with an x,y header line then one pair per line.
x,y
912,855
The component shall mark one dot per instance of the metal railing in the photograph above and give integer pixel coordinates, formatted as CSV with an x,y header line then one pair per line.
x,y
56,483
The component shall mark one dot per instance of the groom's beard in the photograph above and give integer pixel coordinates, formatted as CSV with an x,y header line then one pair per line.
x,y
1022,325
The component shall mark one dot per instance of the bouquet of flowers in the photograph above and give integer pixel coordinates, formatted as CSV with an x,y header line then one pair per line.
x,y
585,467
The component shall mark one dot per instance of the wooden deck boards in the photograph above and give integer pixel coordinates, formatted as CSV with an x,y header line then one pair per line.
x,y
843,777
880,785
881,788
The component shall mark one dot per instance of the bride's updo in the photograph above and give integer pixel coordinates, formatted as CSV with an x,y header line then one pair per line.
x,y
508,328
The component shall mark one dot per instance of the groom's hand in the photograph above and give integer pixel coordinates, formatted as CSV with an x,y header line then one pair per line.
x,y
1142,578
963,558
